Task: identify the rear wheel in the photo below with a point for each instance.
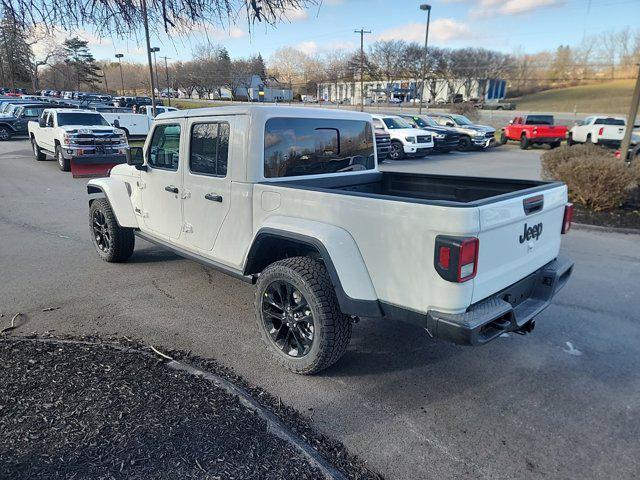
(64, 164)
(299, 317)
(555, 144)
(397, 151)
(524, 142)
(37, 153)
(589, 140)
(112, 242)
(570, 141)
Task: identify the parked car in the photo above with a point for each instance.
(136, 124)
(406, 141)
(495, 105)
(471, 135)
(76, 137)
(15, 124)
(289, 199)
(534, 129)
(445, 138)
(599, 130)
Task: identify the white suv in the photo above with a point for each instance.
(406, 141)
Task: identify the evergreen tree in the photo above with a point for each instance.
(15, 53)
(80, 62)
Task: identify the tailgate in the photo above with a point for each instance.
(513, 242)
(553, 131)
(612, 132)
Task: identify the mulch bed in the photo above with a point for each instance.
(92, 412)
(626, 217)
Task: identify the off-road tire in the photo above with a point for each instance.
(64, 164)
(524, 143)
(122, 239)
(465, 144)
(332, 328)
(503, 138)
(38, 154)
(570, 141)
(555, 144)
(5, 134)
(399, 151)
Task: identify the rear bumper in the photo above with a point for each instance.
(609, 143)
(512, 309)
(546, 139)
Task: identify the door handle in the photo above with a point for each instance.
(171, 189)
(214, 197)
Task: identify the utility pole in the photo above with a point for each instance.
(166, 71)
(426, 7)
(631, 119)
(155, 65)
(145, 21)
(119, 56)
(362, 31)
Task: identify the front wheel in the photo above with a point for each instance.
(524, 142)
(465, 144)
(112, 242)
(299, 317)
(570, 141)
(397, 151)
(64, 164)
(503, 138)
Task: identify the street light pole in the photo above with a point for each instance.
(166, 71)
(426, 7)
(145, 21)
(119, 56)
(155, 65)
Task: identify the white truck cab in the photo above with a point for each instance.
(291, 199)
(136, 124)
(406, 141)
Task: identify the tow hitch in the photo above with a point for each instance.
(526, 328)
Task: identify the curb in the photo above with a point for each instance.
(598, 228)
(274, 425)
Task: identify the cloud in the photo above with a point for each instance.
(441, 30)
(487, 8)
(295, 14)
(307, 47)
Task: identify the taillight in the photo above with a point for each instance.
(456, 258)
(535, 131)
(568, 217)
(600, 132)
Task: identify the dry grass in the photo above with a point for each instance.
(608, 97)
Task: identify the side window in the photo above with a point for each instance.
(50, 120)
(209, 149)
(164, 149)
(377, 123)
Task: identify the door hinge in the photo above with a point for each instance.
(187, 228)
(141, 213)
(186, 194)
(141, 185)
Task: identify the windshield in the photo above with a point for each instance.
(394, 123)
(539, 120)
(419, 121)
(88, 119)
(461, 120)
(610, 121)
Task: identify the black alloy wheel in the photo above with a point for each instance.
(288, 319)
(100, 230)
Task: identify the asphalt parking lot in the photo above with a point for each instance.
(562, 402)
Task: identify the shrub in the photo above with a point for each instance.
(596, 178)
(467, 109)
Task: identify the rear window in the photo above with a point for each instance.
(610, 121)
(313, 146)
(539, 120)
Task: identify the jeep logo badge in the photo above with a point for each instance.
(531, 232)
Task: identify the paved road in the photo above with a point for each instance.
(563, 402)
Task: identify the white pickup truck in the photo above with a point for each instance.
(291, 199)
(599, 130)
(136, 124)
(77, 136)
(406, 140)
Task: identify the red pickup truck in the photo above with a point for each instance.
(534, 129)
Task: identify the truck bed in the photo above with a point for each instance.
(446, 190)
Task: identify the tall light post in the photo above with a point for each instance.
(119, 56)
(155, 65)
(145, 21)
(426, 7)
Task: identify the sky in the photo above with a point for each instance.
(505, 25)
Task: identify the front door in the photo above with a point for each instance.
(207, 181)
(161, 183)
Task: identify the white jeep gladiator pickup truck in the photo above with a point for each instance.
(74, 135)
(291, 199)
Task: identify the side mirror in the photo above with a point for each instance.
(450, 124)
(135, 157)
(116, 123)
(41, 122)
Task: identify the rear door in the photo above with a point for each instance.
(207, 179)
(517, 236)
